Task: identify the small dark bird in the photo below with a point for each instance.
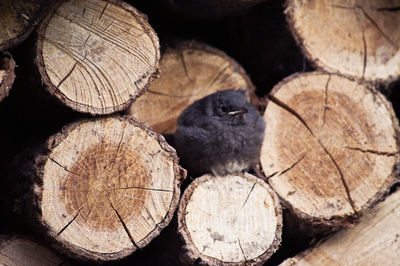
(221, 133)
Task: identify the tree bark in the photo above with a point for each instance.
(18, 18)
(331, 147)
(209, 9)
(7, 75)
(359, 39)
(374, 241)
(189, 71)
(101, 189)
(230, 220)
(97, 56)
(20, 251)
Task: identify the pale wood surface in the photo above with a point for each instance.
(359, 39)
(331, 145)
(374, 241)
(97, 56)
(108, 187)
(189, 72)
(20, 251)
(230, 219)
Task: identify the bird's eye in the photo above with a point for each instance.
(224, 109)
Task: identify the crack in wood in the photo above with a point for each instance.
(185, 67)
(70, 222)
(64, 167)
(293, 165)
(370, 19)
(364, 55)
(346, 188)
(241, 249)
(104, 9)
(290, 110)
(123, 224)
(384, 153)
(326, 100)
(70, 72)
(293, 112)
(248, 195)
(389, 9)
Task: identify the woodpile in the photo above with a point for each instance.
(89, 103)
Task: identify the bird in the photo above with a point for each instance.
(221, 133)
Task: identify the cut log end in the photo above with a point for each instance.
(189, 72)
(331, 146)
(229, 220)
(20, 251)
(97, 56)
(7, 75)
(107, 187)
(357, 39)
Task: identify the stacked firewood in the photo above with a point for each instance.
(90, 93)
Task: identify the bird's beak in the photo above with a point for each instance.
(241, 111)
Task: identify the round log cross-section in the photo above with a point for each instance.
(97, 56)
(331, 146)
(105, 188)
(189, 72)
(359, 39)
(230, 220)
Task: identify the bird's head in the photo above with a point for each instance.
(231, 105)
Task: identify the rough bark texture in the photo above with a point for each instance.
(18, 18)
(229, 220)
(359, 39)
(189, 71)
(209, 9)
(7, 75)
(374, 241)
(20, 251)
(331, 146)
(97, 56)
(101, 189)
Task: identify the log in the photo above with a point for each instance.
(229, 220)
(357, 39)
(18, 18)
(331, 147)
(209, 9)
(101, 189)
(20, 251)
(374, 241)
(189, 71)
(97, 56)
(7, 75)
